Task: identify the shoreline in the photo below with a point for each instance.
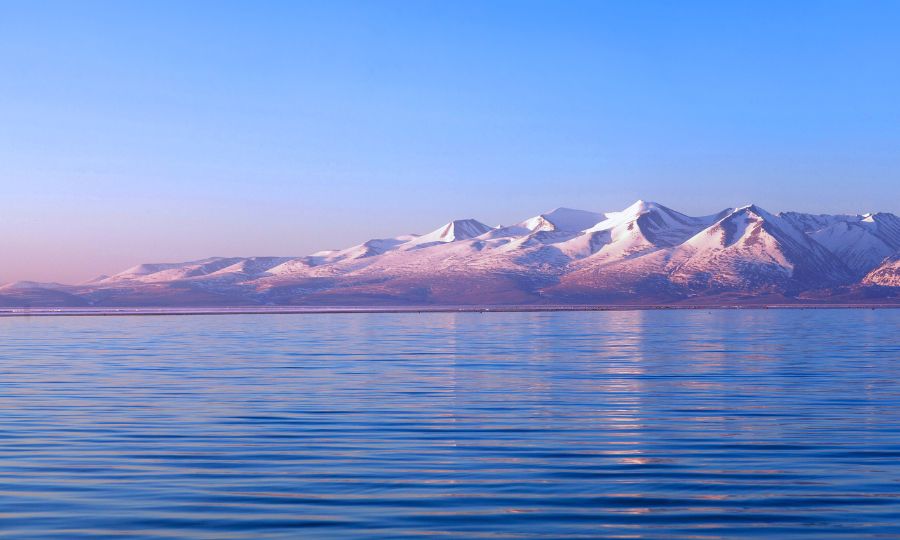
(296, 310)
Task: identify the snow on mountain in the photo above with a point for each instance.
(887, 274)
(660, 226)
(750, 248)
(369, 248)
(563, 219)
(737, 251)
(641, 228)
(854, 244)
(248, 267)
(460, 229)
(882, 225)
(861, 242)
(809, 223)
(886, 226)
(164, 272)
(646, 253)
(26, 285)
(632, 253)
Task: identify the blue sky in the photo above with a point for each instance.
(153, 131)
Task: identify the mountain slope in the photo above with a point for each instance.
(861, 242)
(751, 249)
(887, 274)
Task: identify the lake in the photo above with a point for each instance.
(628, 424)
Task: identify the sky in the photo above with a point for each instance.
(162, 130)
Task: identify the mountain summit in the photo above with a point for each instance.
(646, 254)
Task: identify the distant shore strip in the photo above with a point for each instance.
(310, 310)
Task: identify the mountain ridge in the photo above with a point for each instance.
(647, 253)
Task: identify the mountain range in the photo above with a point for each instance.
(646, 254)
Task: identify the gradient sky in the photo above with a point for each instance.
(162, 131)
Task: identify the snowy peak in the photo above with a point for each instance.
(666, 227)
(654, 223)
(641, 207)
(563, 219)
(736, 252)
(460, 229)
(740, 223)
(886, 227)
(752, 247)
(634, 211)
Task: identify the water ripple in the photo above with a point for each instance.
(655, 424)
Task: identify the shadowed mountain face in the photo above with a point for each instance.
(645, 254)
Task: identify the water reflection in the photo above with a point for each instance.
(647, 424)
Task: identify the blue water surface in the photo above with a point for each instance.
(633, 424)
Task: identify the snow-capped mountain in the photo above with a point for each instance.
(862, 242)
(644, 254)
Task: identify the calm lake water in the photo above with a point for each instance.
(641, 424)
